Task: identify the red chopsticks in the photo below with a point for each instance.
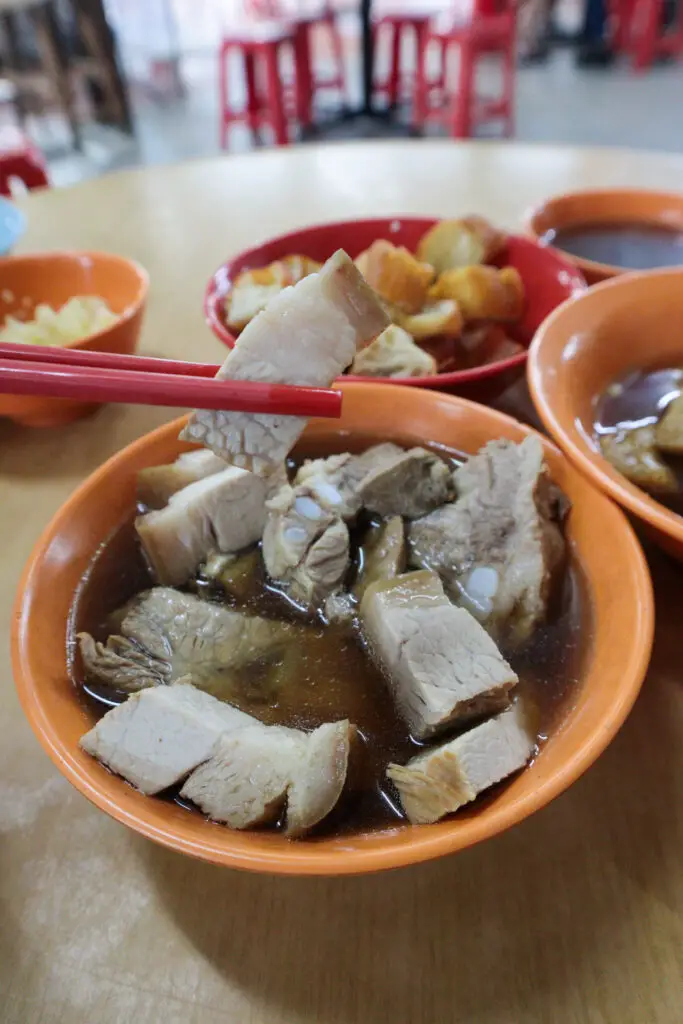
(144, 380)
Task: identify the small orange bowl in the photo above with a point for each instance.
(632, 322)
(633, 208)
(618, 599)
(54, 278)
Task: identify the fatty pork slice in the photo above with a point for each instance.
(255, 771)
(499, 546)
(164, 635)
(384, 554)
(158, 736)
(444, 778)
(224, 512)
(307, 335)
(156, 484)
(305, 547)
(442, 666)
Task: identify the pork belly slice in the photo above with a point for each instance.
(441, 665)
(224, 512)
(245, 782)
(307, 335)
(414, 483)
(305, 547)
(384, 554)
(320, 778)
(499, 547)
(334, 482)
(164, 635)
(442, 779)
(158, 736)
(156, 484)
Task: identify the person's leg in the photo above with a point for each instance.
(595, 50)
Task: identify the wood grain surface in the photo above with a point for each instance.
(574, 917)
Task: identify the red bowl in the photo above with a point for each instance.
(548, 278)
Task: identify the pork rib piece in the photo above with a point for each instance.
(165, 635)
(499, 546)
(411, 485)
(442, 779)
(334, 482)
(442, 666)
(157, 737)
(307, 335)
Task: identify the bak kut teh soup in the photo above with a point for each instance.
(313, 691)
(639, 427)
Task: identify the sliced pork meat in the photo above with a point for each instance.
(246, 780)
(164, 635)
(384, 554)
(444, 778)
(308, 335)
(414, 483)
(157, 737)
(335, 482)
(320, 778)
(224, 512)
(499, 546)
(156, 484)
(305, 546)
(441, 665)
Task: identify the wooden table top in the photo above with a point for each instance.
(573, 917)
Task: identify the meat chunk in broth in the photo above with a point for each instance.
(442, 666)
(499, 546)
(308, 335)
(414, 483)
(165, 635)
(255, 771)
(156, 484)
(305, 547)
(157, 737)
(669, 430)
(443, 779)
(384, 554)
(245, 782)
(224, 512)
(634, 454)
(335, 482)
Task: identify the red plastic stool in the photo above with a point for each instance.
(260, 48)
(20, 158)
(397, 27)
(491, 31)
(638, 31)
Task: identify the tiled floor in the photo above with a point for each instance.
(555, 103)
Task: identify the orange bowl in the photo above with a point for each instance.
(632, 322)
(626, 207)
(54, 278)
(617, 589)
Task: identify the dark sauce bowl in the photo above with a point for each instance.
(615, 648)
(609, 232)
(549, 278)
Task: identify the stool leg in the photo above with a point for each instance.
(420, 88)
(645, 48)
(223, 94)
(274, 96)
(394, 66)
(509, 82)
(337, 52)
(462, 117)
(303, 76)
(253, 100)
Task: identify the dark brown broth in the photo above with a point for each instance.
(633, 246)
(638, 400)
(332, 676)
